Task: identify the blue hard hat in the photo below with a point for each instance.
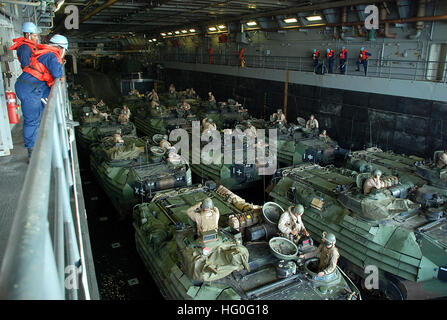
(328, 50)
(29, 27)
(315, 50)
(59, 40)
(362, 48)
(343, 47)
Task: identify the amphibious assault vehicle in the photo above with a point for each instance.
(161, 120)
(297, 144)
(235, 175)
(131, 171)
(231, 263)
(388, 162)
(406, 241)
(95, 127)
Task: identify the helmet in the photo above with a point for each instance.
(328, 50)
(343, 47)
(329, 239)
(210, 120)
(207, 204)
(299, 209)
(29, 27)
(315, 50)
(362, 48)
(377, 173)
(59, 40)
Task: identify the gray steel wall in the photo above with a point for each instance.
(406, 125)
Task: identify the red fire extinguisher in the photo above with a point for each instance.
(12, 107)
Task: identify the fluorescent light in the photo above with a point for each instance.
(290, 20)
(221, 26)
(212, 29)
(169, 33)
(150, 40)
(314, 18)
(154, 40)
(177, 32)
(252, 23)
(184, 31)
(163, 34)
(192, 30)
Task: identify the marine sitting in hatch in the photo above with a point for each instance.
(328, 255)
(205, 215)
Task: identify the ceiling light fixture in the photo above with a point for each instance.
(163, 34)
(184, 31)
(212, 29)
(222, 27)
(314, 18)
(177, 32)
(169, 33)
(154, 40)
(252, 23)
(192, 30)
(290, 20)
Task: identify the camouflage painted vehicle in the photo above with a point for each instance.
(388, 162)
(297, 144)
(227, 264)
(134, 171)
(225, 114)
(161, 120)
(233, 176)
(436, 177)
(396, 235)
(94, 127)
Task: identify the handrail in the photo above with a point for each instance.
(415, 70)
(44, 255)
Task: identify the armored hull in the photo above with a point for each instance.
(233, 176)
(156, 122)
(388, 162)
(130, 174)
(91, 132)
(395, 235)
(163, 238)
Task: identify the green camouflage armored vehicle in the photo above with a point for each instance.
(234, 176)
(225, 114)
(161, 120)
(229, 262)
(297, 144)
(388, 162)
(406, 241)
(94, 127)
(131, 171)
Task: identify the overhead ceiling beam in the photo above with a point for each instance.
(97, 10)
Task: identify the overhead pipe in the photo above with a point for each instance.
(344, 19)
(383, 13)
(22, 3)
(422, 6)
(97, 10)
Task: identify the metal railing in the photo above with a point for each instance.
(415, 70)
(45, 255)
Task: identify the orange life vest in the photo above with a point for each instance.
(343, 54)
(37, 69)
(316, 55)
(330, 54)
(20, 41)
(363, 55)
